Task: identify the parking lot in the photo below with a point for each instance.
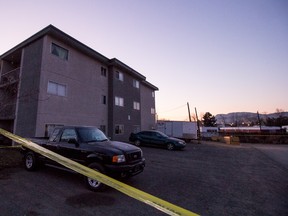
(207, 179)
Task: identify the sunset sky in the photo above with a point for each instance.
(221, 56)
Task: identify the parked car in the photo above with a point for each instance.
(156, 138)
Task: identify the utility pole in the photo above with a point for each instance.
(189, 112)
(198, 128)
(259, 121)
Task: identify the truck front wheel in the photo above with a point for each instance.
(94, 184)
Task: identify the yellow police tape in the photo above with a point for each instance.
(5, 147)
(151, 200)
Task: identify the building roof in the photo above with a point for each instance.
(54, 32)
(117, 63)
(58, 34)
(146, 83)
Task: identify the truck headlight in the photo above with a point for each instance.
(118, 159)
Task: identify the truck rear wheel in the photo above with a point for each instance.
(30, 161)
(94, 184)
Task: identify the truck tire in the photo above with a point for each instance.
(170, 146)
(93, 184)
(30, 161)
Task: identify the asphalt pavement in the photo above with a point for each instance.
(207, 179)
(278, 153)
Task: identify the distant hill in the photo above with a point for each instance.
(244, 118)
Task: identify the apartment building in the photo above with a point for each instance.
(53, 79)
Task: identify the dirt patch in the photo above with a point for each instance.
(10, 157)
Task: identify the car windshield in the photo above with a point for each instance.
(91, 135)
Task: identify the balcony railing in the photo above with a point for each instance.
(10, 77)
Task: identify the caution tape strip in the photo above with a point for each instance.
(142, 196)
(7, 147)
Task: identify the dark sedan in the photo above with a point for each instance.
(156, 138)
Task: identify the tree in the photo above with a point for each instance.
(209, 120)
(280, 121)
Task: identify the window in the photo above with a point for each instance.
(146, 133)
(54, 135)
(119, 129)
(136, 105)
(153, 94)
(59, 51)
(49, 128)
(91, 135)
(103, 128)
(103, 71)
(56, 89)
(103, 99)
(152, 110)
(119, 101)
(68, 134)
(119, 76)
(136, 83)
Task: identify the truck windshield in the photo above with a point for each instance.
(91, 135)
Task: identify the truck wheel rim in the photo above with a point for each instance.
(93, 183)
(29, 161)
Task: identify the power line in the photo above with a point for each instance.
(170, 110)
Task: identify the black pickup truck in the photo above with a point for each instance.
(88, 146)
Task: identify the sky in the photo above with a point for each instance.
(219, 56)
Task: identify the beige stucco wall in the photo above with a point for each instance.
(84, 87)
(148, 120)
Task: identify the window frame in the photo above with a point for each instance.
(103, 128)
(64, 53)
(136, 83)
(119, 76)
(103, 99)
(119, 130)
(119, 101)
(136, 105)
(58, 89)
(103, 71)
